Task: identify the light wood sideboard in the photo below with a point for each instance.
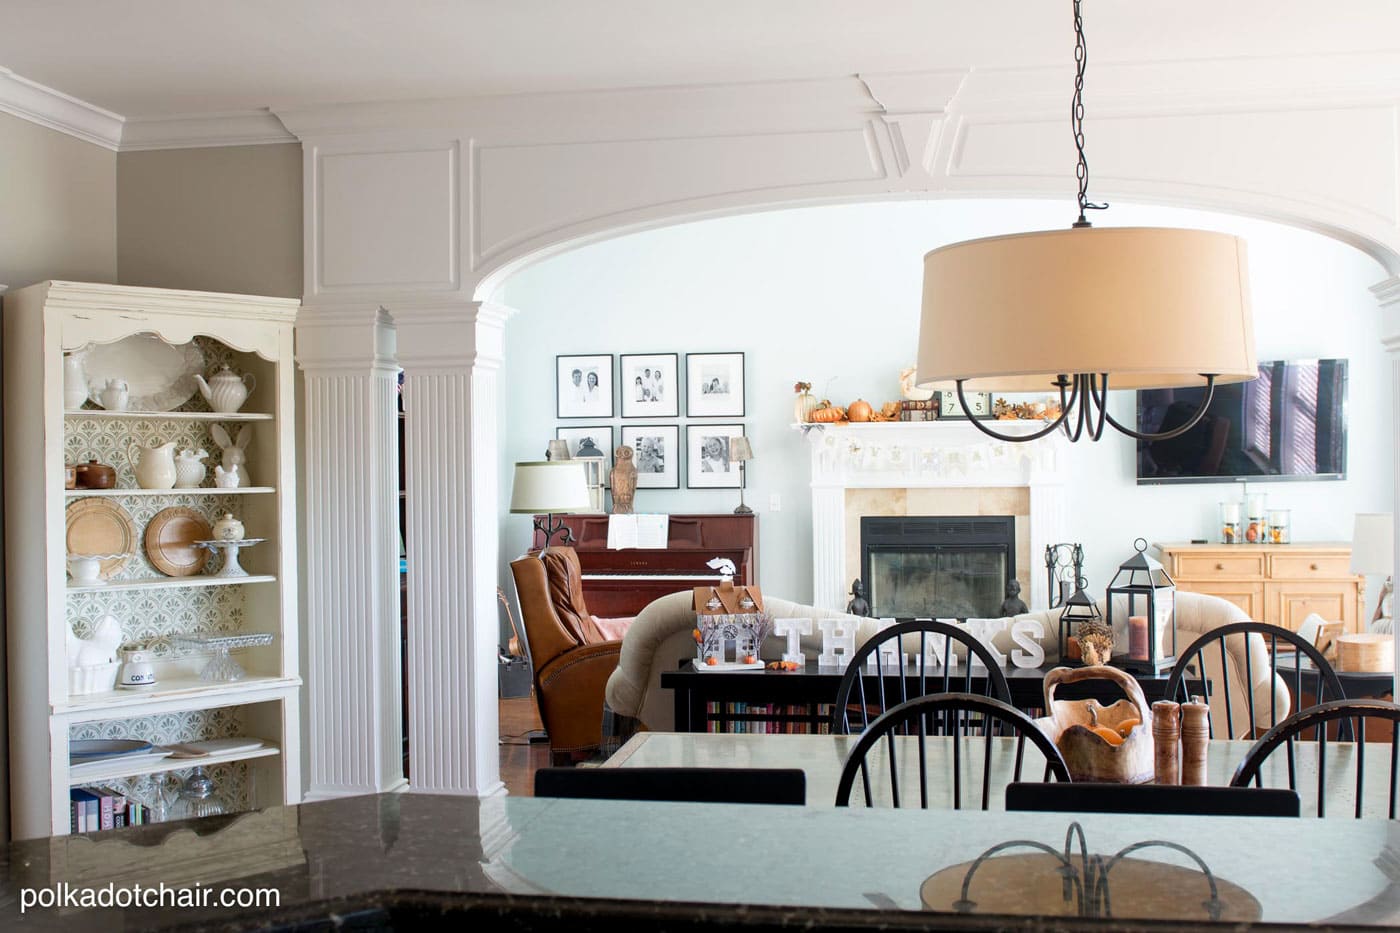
(1276, 583)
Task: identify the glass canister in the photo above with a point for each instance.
(1231, 528)
(1280, 526)
(1256, 519)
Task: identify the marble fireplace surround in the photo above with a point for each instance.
(936, 468)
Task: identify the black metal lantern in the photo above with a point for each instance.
(1145, 584)
(1079, 608)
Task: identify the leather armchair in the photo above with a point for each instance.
(571, 662)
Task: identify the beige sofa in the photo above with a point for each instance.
(661, 635)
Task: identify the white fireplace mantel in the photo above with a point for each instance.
(924, 455)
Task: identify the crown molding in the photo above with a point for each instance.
(206, 130)
(36, 103)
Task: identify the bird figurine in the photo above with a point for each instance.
(623, 480)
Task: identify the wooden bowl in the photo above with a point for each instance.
(1370, 652)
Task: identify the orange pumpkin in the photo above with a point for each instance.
(829, 414)
(860, 410)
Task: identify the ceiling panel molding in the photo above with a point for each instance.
(199, 131)
(36, 103)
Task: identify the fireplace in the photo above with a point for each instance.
(937, 567)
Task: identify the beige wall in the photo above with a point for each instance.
(218, 219)
(58, 220)
(58, 206)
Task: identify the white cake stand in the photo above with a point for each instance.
(230, 549)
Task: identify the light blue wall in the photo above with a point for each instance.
(830, 295)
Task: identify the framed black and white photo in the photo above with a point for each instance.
(650, 388)
(587, 440)
(707, 460)
(583, 386)
(656, 453)
(714, 385)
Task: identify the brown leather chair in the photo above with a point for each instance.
(571, 660)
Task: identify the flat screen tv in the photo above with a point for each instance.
(1289, 424)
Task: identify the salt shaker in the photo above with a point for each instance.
(1195, 740)
(1166, 740)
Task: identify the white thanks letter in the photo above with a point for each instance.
(1026, 633)
(793, 629)
(838, 642)
(984, 630)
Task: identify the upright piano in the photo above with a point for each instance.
(619, 583)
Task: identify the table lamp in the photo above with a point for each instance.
(1373, 552)
(740, 452)
(548, 487)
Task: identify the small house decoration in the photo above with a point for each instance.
(1078, 610)
(1150, 596)
(730, 626)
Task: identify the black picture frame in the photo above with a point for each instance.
(727, 369)
(571, 402)
(697, 474)
(575, 433)
(668, 478)
(668, 405)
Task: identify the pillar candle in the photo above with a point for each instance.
(1137, 638)
(1072, 650)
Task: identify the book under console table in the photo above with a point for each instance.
(801, 701)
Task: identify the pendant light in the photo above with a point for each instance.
(1081, 311)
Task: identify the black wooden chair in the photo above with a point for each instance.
(1192, 664)
(1352, 712)
(921, 720)
(687, 785)
(916, 679)
(1153, 799)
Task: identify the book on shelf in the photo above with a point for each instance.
(96, 808)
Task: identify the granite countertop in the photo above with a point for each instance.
(398, 858)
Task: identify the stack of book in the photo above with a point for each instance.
(919, 411)
(94, 808)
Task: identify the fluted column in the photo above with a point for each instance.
(1388, 295)
(451, 353)
(350, 561)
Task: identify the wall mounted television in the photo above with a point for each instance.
(1289, 424)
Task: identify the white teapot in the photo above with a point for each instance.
(226, 391)
(189, 468)
(114, 396)
(154, 465)
(228, 528)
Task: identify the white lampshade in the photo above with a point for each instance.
(1373, 543)
(549, 486)
(1151, 307)
(740, 450)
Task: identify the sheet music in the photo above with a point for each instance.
(638, 531)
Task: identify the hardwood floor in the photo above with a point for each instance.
(520, 758)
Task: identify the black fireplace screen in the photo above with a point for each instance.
(926, 567)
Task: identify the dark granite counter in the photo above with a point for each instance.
(391, 860)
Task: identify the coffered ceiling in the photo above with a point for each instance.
(154, 58)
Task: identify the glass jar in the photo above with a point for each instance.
(1280, 526)
(1231, 528)
(197, 798)
(1256, 519)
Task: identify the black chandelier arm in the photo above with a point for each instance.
(1191, 422)
(1021, 438)
(1098, 393)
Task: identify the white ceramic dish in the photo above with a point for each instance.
(159, 375)
(93, 678)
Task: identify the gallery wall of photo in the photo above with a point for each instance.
(604, 400)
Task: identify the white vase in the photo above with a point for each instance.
(75, 384)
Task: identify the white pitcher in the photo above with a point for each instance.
(154, 465)
(114, 396)
(226, 391)
(75, 384)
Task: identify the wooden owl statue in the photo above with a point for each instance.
(623, 480)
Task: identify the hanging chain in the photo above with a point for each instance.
(1081, 170)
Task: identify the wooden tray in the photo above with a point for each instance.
(170, 541)
(101, 526)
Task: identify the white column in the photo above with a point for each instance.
(829, 548)
(350, 578)
(1388, 294)
(451, 353)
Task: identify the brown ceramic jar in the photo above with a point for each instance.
(94, 475)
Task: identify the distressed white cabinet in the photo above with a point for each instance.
(252, 335)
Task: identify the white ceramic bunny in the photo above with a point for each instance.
(235, 452)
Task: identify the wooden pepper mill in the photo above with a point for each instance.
(1195, 740)
(1166, 741)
